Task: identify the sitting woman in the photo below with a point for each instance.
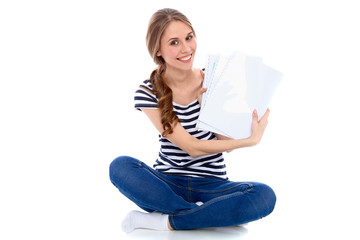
(188, 187)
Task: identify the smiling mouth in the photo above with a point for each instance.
(185, 59)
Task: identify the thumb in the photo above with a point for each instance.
(255, 115)
(202, 90)
(202, 73)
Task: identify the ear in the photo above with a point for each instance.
(158, 53)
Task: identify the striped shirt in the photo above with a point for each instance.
(172, 160)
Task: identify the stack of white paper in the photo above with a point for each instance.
(236, 85)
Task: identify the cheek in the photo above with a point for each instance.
(194, 44)
(174, 52)
(171, 53)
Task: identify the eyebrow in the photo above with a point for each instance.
(171, 39)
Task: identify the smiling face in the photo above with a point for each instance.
(178, 46)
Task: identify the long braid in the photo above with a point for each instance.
(165, 99)
(157, 25)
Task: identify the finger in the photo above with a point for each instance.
(266, 115)
(202, 90)
(202, 73)
(255, 115)
(264, 118)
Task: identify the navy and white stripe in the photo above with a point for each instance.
(144, 97)
(172, 160)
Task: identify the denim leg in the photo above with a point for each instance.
(146, 187)
(225, 204)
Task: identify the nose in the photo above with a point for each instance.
(185, 48)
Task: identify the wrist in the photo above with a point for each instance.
(246, 142)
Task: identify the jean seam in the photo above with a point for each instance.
(194, 190)
(142, 165)
(189, 189)
(221, 190)
(148, 206)
(208, 204)
(201, 190)
(155, 172)
(173, 223)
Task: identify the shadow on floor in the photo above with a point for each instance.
(225, 233)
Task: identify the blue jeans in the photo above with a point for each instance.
(226, 203)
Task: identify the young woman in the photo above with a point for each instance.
(188, 187)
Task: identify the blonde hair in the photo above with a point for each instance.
(157, 26)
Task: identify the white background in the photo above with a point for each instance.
(68, 72)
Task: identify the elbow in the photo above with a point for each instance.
(194, 153)
(193, 150)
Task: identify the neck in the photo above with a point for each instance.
(177, 78)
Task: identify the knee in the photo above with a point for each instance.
(270, 197)
(120, 167)
(267, 198)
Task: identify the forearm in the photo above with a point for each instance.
(222, 137)
(207, 147)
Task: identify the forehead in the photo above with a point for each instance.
(176, 29)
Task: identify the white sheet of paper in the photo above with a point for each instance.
(237, 85)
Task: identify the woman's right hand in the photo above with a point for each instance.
(258, 126)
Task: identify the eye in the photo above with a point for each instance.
(189, 37)
(175, 42)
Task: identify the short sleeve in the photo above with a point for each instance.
(144, 98)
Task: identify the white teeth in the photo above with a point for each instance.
(185, 58)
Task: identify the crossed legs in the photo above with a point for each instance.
(172, 200)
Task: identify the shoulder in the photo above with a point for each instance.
(145, 97)
(146, 88)
(147, 85)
